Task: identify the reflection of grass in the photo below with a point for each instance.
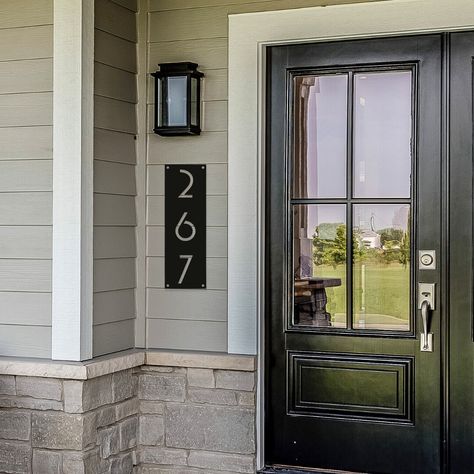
(386, 292)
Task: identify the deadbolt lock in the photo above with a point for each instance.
(427, 259)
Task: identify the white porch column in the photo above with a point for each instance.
(73, 124)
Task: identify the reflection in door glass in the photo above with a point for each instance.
(319, 265)
(320, 136)
(381, 267)
(382, 134)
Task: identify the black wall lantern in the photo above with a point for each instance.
(177, 99)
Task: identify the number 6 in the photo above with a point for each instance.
(181, 222)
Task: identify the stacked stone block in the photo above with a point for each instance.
(196, 421)
(56, 426)
(146, 420)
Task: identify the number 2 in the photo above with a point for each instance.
(186, 266)
(185, 194)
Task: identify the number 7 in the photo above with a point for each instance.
(186, 266)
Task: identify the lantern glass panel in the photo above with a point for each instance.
(194, 100)
(176, 101)
(159, 100)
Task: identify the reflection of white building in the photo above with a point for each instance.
(370, 239)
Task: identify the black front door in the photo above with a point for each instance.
(369, 158)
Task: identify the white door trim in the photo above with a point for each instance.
(249, 35)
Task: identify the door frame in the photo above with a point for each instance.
(249, 36)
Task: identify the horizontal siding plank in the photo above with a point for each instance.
(198, 305)
(211, 21)
(26, 175)
(26, 143)
(115, 115)
(162, 5)
(26, 43)
(208, 53)
(115, 19)
(114, 242)
(214, 84)
(25, 275)
(21, 13)
(216, 179)
(26, 76)
(31, 242)
(216, 269)
(17, 110)
(115, 51)
(188, 24)
(25, 341)
(214, 116)
(216, 241)
(26, 208)
(113, 337)
(28, 309)
(115, 83)
(209, 147)
(114, 210)
(114, 274)
(114, 178)
(187, 335)
(114, 146)
(216, 210)
(111, 306)
(130, 4)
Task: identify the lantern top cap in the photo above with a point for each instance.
(178, 68)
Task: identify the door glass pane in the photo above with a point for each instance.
(320, 136)
(382, 134)
(381, 267)
(319, 265)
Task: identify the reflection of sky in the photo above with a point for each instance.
(382, 216)
(325, 214)
(326, 137)
(382, 156)
(382, 134)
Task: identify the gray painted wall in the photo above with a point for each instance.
(114, 175)
(194, 30)
(26, 68)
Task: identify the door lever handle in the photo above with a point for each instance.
(426, 339)
(426, 303)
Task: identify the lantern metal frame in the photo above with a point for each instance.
(182, 69)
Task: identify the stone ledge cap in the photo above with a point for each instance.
(201, 360)
(124, 360)
(89, 369)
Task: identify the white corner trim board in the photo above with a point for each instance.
(73, 113)
(249, 35)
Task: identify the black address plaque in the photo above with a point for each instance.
(185, 226)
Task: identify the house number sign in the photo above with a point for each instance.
(185, 226)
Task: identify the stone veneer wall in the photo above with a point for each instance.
(149, 419)
(53, 426)
(196, 421)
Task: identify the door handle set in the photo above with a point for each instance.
(426, 303)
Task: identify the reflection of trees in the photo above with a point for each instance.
(329, 246)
